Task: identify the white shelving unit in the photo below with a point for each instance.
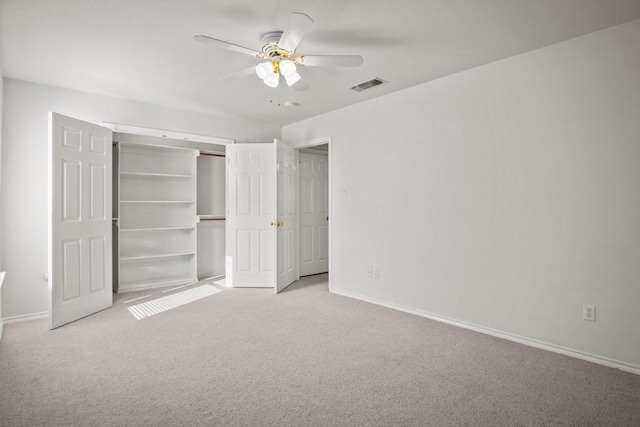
(157, 234)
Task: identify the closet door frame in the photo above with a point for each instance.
(343, 192)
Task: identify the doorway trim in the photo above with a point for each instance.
(309, 144)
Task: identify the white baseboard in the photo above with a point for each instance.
(601, 360)
(26, 317)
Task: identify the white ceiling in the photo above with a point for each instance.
(143, 49)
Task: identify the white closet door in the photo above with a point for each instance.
(262, 215)
(286, 202)
(314, 208)
(251, 215)
(80, 275)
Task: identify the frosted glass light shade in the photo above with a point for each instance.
(287, 68)
(292, 79)
(264, 70)
(272, 80)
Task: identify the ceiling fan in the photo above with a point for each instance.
(279, 50)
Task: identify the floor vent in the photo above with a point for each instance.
(368, 85)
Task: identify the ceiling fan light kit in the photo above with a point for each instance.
(292, 79)
(269, 72)
(264, 70)
(287, 68)
(272, 80)
(279, 62)
(279, 49)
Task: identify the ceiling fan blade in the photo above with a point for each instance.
(239, 74)
(332, 60)
(225, 45)
(298, 25)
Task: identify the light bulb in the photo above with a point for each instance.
(264, 70)
(272, 80)
(292, 79)
(287, 68)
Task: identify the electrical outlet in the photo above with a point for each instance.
(370, 272)
(376, 273)
(589, 312)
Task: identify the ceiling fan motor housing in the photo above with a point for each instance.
(270, 43)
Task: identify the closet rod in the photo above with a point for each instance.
(212, 219)
(211, 154)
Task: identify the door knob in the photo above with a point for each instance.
(280, 223)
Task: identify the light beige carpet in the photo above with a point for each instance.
(247, 357)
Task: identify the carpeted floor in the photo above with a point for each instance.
(248, 357)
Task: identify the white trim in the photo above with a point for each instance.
(313, 151)
(313, 143)
(1, 321)
(26, 317)
(594, 358)
(138, 130)
(136, 144)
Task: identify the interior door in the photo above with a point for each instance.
(251, 215)
(80, 275)
(287, 220)
(261, 215)
(314, 208)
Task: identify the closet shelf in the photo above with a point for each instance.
(156, 229)
(130, 286)
(155, 257)
(157, 201)
(153, 175)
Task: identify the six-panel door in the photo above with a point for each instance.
(80, 275)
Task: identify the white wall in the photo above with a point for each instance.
(1, 106)
(503, 197)
(1, 274)
(24, 171)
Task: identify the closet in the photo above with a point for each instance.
(168, 210)
(210, 206)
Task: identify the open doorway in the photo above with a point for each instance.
(314, 207)
(314, 210)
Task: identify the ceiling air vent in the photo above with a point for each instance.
(368, 85)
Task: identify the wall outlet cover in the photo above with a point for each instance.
(589, 312)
